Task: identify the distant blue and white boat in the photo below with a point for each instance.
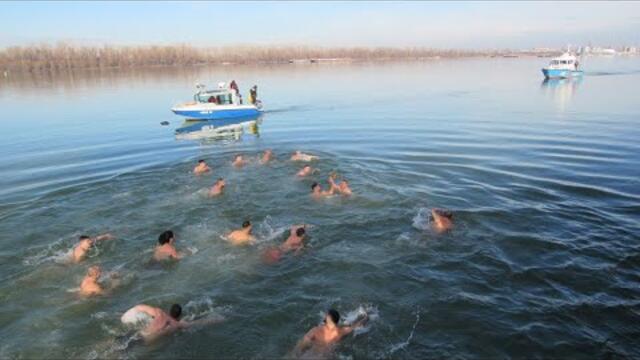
(221, 103)
(565, 66)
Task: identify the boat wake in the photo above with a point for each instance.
(611, 73)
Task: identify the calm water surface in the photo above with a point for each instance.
(544, 260)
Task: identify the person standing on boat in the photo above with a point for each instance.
(234, 86)
(253, 94)
(237, 99)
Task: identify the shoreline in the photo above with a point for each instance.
(64, 58)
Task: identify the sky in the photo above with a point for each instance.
(462, 25)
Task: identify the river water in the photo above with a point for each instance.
(543, 180)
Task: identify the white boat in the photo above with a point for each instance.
(221, 103)
(564, 66)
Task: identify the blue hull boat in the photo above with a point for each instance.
(224, 102)
(561, 73)
(203, 113)
(562, 67)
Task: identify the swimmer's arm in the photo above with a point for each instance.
(106, 236)
(206, 321)
(346, 330)
(177, 255)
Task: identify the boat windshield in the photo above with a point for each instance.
(216, 97)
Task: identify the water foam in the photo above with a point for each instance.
(422, 219)
(401, 345)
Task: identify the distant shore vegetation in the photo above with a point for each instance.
(64, 57)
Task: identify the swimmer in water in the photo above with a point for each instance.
(201, 168)
(242, 236)
(239, 161)
(306, 171)
(442, 220)
(84, 245)
(163, 323)
(217, 188)
(295, 242)
(266, 157)
(321, 339)
(89, 285)
(166, 249)
(342, 188)
(317, 192)
(300, 156)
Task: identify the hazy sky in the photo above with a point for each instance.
(471, 24)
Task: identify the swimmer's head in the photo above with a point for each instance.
(307, 167)
(246, 224)
(201, 162)
(238, 157)
(94, 271)
(442, 213)
(300, 232)
(85, 242)
(268, 152)
(314, 186)
(221, 182)
(166, 237)
(333, 316)
(175, 311)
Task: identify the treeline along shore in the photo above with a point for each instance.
(62, 57)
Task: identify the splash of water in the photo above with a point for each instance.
(422, 220)
(404, 344)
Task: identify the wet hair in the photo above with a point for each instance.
(246, 224)
(300, 231)
(200, 161)
(85, 237)
(165, 237)
(220, 179)
(444, 213)
(335, 315)
(313, 186)
(175, 311)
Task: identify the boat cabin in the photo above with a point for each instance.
(220, 97)
(565, 62)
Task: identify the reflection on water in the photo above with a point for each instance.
(222, 129)
(561, 90)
